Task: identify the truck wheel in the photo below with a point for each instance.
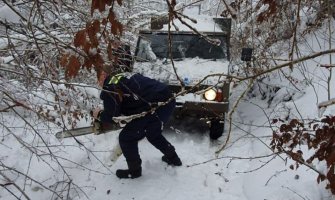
(216, 129)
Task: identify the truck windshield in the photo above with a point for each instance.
(156, 46)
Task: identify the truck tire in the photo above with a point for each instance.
(216, 129)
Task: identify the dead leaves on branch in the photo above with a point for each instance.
(318, 136)
(101, 5)
(90, 39)
(272, 9)
(116, 27)
(87, 39)
(71, 65)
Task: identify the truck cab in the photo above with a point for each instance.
(195, 65)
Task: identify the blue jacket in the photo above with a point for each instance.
(131, 95)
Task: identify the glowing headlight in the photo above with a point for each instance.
(210, 95)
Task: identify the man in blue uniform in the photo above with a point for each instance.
(126, 94)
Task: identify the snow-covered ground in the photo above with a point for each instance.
(245, 170)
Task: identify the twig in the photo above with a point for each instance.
(15, 185)
(264, 164)
(275, 175)
(293, 192)
(230, 115)
(277, 67)
(325, 104)
(229, 157)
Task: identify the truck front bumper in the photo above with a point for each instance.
(202, 109)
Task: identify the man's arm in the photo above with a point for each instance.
(111, 109)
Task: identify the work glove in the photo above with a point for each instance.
(96, 113)
(97, 125)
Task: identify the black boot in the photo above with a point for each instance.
(134, 170)
(170, 156)
(172, 159)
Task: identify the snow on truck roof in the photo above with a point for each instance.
(202, 23)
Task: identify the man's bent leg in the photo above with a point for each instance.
(155, 137)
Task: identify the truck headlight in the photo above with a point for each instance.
(210, 95)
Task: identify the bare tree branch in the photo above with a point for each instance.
(285, 65)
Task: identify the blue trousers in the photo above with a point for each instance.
(149, 126)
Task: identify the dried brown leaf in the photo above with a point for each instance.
(80, 38)
(116, 26)
(64, 59)
(73, 67)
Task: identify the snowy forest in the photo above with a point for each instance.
(279, 137)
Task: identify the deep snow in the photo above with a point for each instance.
(232, 174)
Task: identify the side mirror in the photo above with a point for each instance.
(246, 54)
